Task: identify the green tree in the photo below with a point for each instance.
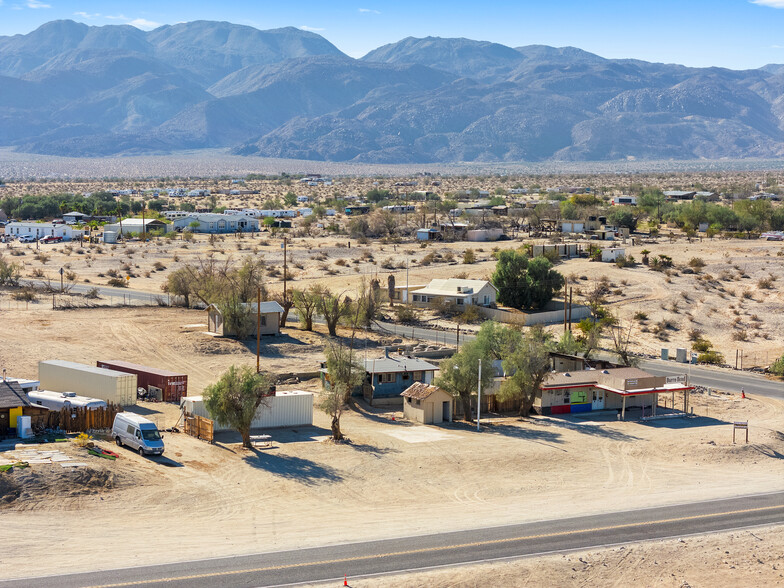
(332, 307)
(459, 374)
(528, 365)
(496, 340)
(290, 199)
(524, 282)
(236, 397)
(305, 301)
(345, 374)
(180, 283)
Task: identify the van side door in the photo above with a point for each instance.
(130, 436)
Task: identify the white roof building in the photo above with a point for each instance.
(461, 291)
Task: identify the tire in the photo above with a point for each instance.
(141, 451)
(118, 441)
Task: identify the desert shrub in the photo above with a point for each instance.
(92, 293)
(70, 276)
(640, 316)
(712, 357)
(471, 315)
(695, 334)
(428, 259)
(341, 262)
(765, 283)
(449, 257)
(117, 283)
(696, 263)
(740, 335)
(158, 266)
(469, 256)
(624, 261)
(747, 295)
(702, 345)
(38, 273)
(778, 366)
(406, 314)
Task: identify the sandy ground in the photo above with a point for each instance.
(727, 301)
(745, 558)
(205, 500)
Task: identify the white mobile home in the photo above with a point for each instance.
(217, 223)
(60, 400)
(289, 408)
(39, 230)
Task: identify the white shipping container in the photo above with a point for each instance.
(67, 376)
(290, 408)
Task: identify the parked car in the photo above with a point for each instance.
(138, 433)
(50, 239)
(26, 239)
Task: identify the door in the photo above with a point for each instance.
(598, 400)
(445, 411)
(428, 413)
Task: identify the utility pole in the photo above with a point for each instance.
(479, 396)
(258, 328)
(457, 344)
(571, 298)
(285, 268)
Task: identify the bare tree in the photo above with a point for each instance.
(332, 307)
(621, 337)
(305, 302)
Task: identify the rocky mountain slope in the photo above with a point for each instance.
(72, 89)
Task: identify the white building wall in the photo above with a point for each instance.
(39, 230)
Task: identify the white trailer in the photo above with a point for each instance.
(290, 408)
(67, 376)
(59, 400)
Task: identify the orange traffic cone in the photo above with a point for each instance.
(742, 394)
(393, 418)
(345, 580)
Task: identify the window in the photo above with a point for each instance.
(263, 320)
(406, 376)
(387, 378)
(460, 301)
(417, 402)
(416, 297)
(131, 429)
(418, 376)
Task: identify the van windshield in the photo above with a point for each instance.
(151, 435)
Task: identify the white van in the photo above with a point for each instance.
(137, 432)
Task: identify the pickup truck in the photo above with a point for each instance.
(50, 239)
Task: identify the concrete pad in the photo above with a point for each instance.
(420, 435)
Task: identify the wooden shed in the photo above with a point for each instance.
(427, 404)
(13, 404)
(269, 319)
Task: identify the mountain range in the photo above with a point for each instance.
(71, 89)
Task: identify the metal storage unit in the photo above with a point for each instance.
(67, 376)
(292, 408)
(172, 385)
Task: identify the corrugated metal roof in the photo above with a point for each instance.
(420, 390)
(578, 377)
(449, 287)
(398, 363)
(140, 368)
(86, 368)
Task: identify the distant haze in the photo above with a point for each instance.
(73, 90)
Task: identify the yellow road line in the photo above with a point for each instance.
(441, 548)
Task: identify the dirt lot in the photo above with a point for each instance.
(211, 500)
(733, 301)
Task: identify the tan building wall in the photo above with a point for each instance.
(429, 411)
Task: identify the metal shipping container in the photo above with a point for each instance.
(291, 408)
(172, 385)
(86, 380)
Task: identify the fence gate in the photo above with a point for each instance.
(199, 427)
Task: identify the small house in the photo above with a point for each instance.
(14, 404)
(427, 404)
(75, 218)
(217, 223)
(390, 375)
(136, 226)
(269, 319)
(40, 230)
(431, 234)
(458, 291)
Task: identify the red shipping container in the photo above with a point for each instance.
(173, 386)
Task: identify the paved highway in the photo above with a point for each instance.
(443, 549)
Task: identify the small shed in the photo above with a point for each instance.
(13, 404)
(612, 253)
(427, 404)
(270, 312)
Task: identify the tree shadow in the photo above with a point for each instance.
(593, 429)
(290, 467)
(373, 450)
(537, 434)
(768, 451)
(282, 436)
(378, 414)
(685, 422)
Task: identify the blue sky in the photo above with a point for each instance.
(729, 33)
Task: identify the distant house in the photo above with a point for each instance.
(678, 195)
(427, 404)
(355, 210)
(136, 226)
(431, 234)
(270, 319)
(458, 291)
(39, 230)
(75, 218)
(216, 223)
(627, 200)
(612, 253)
(303, 199)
